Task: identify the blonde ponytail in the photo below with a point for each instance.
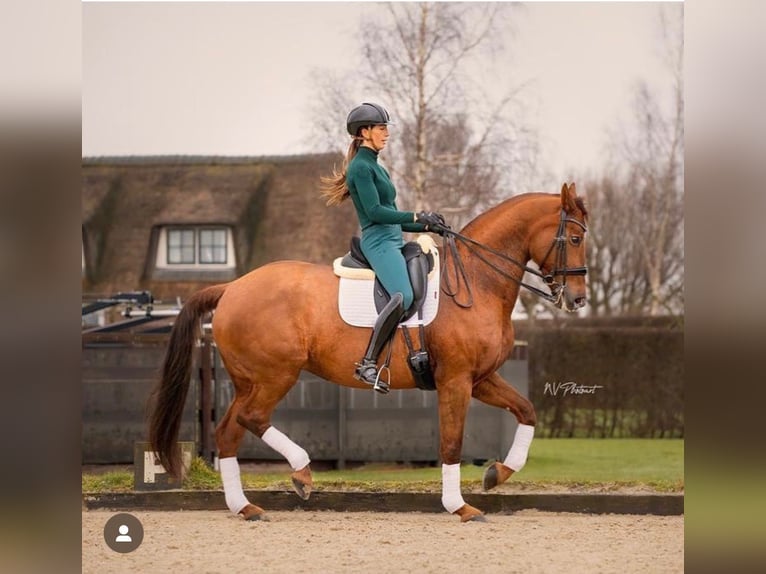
(334, 188)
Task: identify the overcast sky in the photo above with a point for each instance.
(234, 78)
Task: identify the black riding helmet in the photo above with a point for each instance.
(367, 114)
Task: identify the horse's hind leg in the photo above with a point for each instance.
(256, 417)
(253, 412)
(496, 392)
(228, 437)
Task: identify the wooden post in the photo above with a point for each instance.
(206, 401)
(340, 464)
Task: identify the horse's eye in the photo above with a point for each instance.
(575, 239)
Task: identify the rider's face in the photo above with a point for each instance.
(375, 137)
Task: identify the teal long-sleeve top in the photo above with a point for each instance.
(374, 194)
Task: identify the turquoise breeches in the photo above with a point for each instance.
(382, 246)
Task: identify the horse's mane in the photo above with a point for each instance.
(512, 201)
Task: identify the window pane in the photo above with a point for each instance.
(180, 246)
(212, 246)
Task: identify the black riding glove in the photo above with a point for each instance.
(433, 221)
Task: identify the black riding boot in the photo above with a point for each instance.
(385, 327)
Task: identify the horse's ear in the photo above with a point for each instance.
(568, 195)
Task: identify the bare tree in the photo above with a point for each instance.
(608, 252)
(455, 148)
(617, 280)
(636, 242)
(333, 99)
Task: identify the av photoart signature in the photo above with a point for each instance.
(569, 388)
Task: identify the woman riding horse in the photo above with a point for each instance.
(283, 317)
(374, 196)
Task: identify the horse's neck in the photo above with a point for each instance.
(507, 228)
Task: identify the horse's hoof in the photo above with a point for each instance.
(302, 482)
(496, 474)
(251, 512)
(468, 513)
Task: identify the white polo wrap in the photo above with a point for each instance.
(517, 456)
(295, 455)
(452, 500)
(232, 485)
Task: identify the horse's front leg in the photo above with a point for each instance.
(497, 392)
(454, 397)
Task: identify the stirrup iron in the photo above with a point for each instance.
(380, 385)
(362, 368)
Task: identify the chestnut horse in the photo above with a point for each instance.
(283, 317)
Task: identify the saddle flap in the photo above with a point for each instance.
(419, 264)
(356, 298)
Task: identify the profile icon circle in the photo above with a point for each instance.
(123, 533)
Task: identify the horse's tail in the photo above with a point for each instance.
(169, 395)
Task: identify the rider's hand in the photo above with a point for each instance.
(433, 221)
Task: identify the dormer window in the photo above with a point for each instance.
(197, 247)
(212, 245)
(181, 244)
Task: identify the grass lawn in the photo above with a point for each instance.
(604, 464)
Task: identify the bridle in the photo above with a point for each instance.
(560, 266)
(560, 243)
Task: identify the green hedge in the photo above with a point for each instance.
(599, 379)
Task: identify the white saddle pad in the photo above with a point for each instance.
(355, 295)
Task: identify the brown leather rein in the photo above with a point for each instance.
(474, 247)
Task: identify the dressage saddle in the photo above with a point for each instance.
(419, 265)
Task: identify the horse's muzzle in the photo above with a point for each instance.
(572, 301)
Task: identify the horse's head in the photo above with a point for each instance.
(558, 248)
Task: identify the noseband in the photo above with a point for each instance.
(560, 268)
(560, 243)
